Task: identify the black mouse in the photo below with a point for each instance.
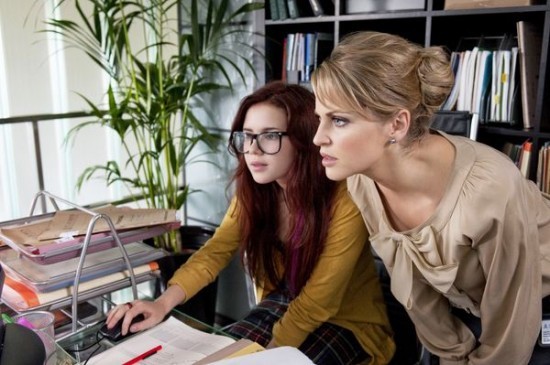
(115, 333)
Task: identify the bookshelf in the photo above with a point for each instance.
(431, 25)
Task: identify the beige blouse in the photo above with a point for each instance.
(485, 249)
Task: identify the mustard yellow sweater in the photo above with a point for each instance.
(343, 289)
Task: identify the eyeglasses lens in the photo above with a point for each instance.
(268, 142)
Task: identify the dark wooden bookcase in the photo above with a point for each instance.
(430, 26)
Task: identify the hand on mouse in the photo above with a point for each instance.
(152, 311)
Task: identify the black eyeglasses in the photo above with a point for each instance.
(268, 142)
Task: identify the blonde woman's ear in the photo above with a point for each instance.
(401, 124)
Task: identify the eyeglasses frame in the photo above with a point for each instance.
(254, 137)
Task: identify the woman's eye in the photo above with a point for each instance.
(339, 122)
(271, 136)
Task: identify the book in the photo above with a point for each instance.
(274, 9)
(180, 344)
(316, 8)
(529, 49)
(293, 11)
(309, 55)
(283, 11)
(463, 89)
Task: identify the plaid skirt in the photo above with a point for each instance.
(327, 345)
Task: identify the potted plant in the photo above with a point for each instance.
(159, 73)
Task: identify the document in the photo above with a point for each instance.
(71, 223)
(181, 345)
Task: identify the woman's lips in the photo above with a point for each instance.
(257, 166)
(328, 161)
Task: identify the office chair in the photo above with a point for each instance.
(460, 123)
(203, 305)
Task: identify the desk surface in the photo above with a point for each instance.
(85, 336)
(78, 347)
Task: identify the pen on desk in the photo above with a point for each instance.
(143, 356)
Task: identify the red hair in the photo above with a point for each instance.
(309, 194)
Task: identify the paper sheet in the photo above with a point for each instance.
(181, 345)
(72, 223)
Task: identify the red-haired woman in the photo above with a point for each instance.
(302, 238)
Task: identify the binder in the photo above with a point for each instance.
(458, 69)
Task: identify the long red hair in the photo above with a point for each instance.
(309, 195)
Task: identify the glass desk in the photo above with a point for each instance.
(77, 347)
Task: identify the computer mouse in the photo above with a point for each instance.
(115, 333)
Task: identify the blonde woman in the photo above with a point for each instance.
(464, 236)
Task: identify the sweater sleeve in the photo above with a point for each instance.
(321, 297)
(203, 266)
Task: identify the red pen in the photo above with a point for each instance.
(143, 356)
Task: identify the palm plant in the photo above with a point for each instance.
(156, 87)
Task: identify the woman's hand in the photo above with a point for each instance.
(152, 311)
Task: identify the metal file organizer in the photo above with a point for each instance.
(79, 250)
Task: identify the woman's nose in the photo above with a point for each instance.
(320, 138)
(253, 148)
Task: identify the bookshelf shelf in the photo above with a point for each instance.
(432, 25)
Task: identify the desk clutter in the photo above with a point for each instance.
(44, 255)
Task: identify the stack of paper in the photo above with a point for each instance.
(44, 278)
(21, 297)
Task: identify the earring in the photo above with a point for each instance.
(393, 141)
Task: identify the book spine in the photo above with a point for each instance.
(316, 7)
(293, 9)
(273, 8)
(283, 12)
